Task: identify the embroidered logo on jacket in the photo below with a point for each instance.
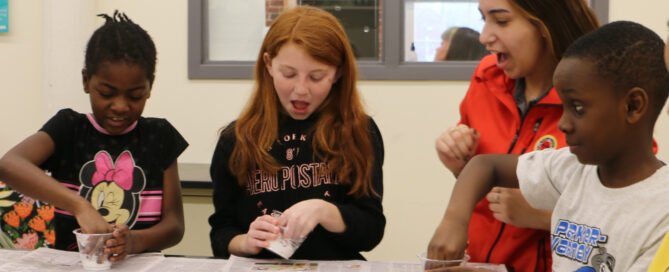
(113, 188)
(546, 141)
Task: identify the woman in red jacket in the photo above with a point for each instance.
(512, 107)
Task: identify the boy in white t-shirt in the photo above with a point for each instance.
(608, 191)
(661, 261)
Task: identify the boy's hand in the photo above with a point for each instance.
(448, 242)
(509, 206)
(456, 146)
(120, 245)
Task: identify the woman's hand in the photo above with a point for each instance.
(456, 146)
(509, 206)
(120, 245)
(301, 218)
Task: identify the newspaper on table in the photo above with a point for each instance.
(418, 267)
(47, 259)
(493, 267)
(179, 264)
(12, 254)
(240, 264)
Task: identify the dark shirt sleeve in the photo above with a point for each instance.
(226, 193)
(172, 145)
(363, 217)
(65, 118)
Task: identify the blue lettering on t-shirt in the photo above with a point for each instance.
(575, 241)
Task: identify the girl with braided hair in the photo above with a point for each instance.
(111, 170)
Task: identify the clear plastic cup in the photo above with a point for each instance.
(91, 250)
(440, 265)
(284, 247)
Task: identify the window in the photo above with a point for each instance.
(428, 24)
(361, 21)
(224, 36)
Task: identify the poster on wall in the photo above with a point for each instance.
(4, 16)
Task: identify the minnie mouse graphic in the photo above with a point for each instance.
(113, 188)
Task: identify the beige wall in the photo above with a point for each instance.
(40, 74)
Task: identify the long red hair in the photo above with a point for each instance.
(340, 134)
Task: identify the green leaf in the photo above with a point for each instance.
(7, 227)
(13, 233)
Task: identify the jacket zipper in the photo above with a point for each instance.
(537, 124)
(513, 143)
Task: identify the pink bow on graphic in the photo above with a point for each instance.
(121, 174)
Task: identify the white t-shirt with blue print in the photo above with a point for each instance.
(595, 228)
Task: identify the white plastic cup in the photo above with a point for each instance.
(91, 250)
(440, 265)
(284, 247)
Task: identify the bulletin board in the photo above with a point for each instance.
(4, 16)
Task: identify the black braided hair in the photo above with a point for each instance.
(120, 39)
(628, 55)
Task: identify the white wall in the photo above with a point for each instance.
(410, 114)
(21, 73)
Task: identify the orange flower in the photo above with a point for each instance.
(23, 209)
(12, 219)
(46, 212)
(50, 236)
(37, 223)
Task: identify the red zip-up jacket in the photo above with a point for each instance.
(491, 109)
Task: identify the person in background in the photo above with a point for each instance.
(442, 50)
(608, 191)
(465, 45)
(511, 107)
(303, 146)
(111, 170)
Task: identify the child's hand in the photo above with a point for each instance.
(301, 218)
(448, 242)
(456, 146)
(120, 245)
(509, 206)
(91, 221)
(262, 230)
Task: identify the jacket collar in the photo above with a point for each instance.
(502, 86)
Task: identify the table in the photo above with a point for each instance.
(46, 259)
